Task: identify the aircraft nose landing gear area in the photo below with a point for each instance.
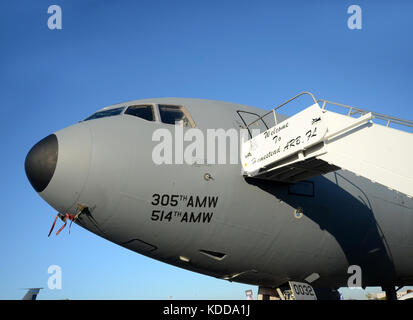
(67, 216)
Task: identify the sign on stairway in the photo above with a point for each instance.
(290, 136)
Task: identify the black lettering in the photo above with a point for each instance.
(156, 197)
(311, 133)
(155, 216)
(301, 289)
(190, 202)
(289, 144)
(198, 203)
(306, 290)
(212, 202)
(314, 133)
(296, 289)
(165, 200)
(193, 219)
(185, 217)
(207, 216)
(168, 216)
(174, 200)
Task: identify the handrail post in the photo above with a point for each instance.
(284, 103)
(275, 117)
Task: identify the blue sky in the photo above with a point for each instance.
(258, 53)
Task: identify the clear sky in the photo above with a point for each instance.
(257, 53)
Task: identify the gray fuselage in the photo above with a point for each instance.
(221, 223)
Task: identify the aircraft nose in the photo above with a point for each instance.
(40, 163)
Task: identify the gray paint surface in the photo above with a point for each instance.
(106, 164)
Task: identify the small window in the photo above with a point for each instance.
(105, 113)
(144, 112)
(171, 114)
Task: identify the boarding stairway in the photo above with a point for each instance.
(316, 141)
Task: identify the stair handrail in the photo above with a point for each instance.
(282, 104)
(354, 110)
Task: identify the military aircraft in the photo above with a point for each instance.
(31, 293)
(260, 227)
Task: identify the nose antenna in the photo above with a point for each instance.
(68, 216)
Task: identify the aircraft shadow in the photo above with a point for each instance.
(348, 217)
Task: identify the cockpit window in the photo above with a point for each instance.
(106, 113)
(144, 112)
(171, 114)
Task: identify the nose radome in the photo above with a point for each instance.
(41, 162)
